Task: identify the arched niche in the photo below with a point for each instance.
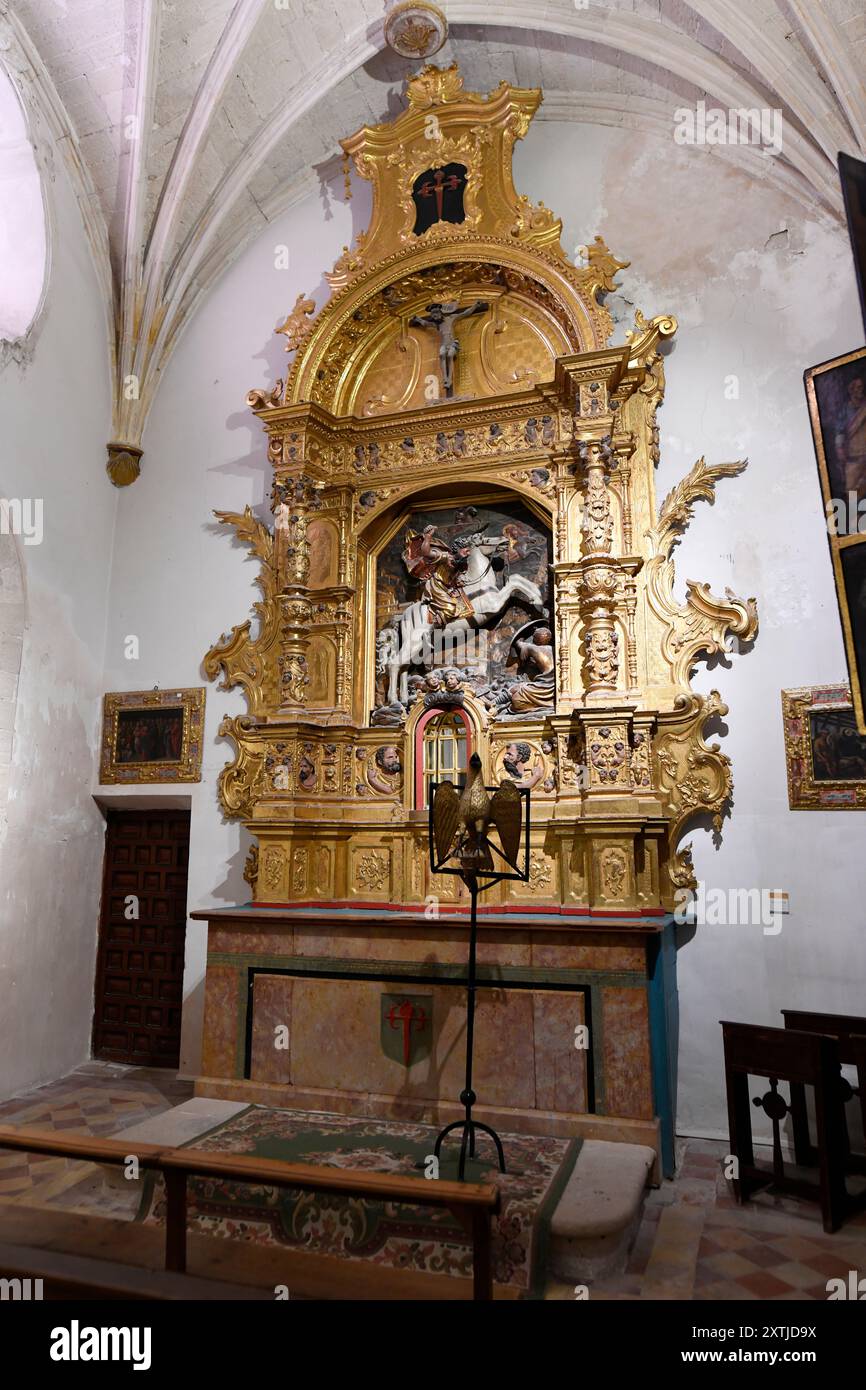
(519, 569)
(529, 290)
(322, 542)
(426, 721)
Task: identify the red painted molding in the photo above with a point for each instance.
(547, 909)
(419, 746)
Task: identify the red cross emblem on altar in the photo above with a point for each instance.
(406, 1030)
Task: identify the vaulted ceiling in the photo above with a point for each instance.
(189, 126)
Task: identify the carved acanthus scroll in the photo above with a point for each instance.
(704, 622)
(695, 776)
(241, 658)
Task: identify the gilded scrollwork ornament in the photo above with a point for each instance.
(704, 622)
(696, 778)
(241, 782)
(241, 658)
(296, 325)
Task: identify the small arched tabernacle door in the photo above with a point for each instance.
(443, 747)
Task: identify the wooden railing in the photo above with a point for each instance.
(473, 1204)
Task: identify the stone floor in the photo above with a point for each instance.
(694, 1242)
(97, 1098)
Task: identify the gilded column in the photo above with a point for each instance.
(294, 499)
(597, 579)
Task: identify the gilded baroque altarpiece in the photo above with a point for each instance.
(466, 527)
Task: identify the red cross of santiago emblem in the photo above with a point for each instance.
(406, 1029)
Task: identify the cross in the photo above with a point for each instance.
(407, 1016)
(437, 188)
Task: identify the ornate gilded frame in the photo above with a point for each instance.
(837, 543)
(805, 791)
(186, 768)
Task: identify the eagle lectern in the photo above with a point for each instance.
(461, 843)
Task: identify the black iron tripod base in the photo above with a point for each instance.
(469, 1127)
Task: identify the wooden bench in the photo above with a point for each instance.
(473, 1204)
(66, 1275)
(801, 1059)
(849, 1032)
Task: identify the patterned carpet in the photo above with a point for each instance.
(424, 1239)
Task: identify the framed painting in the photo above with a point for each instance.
(152, 736)
(852, 176)
(836, 392)
(824, 751)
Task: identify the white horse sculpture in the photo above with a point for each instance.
(408, 639)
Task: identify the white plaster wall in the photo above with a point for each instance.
(702, 240)
(55, 419)
(703, 244)
(179, 580)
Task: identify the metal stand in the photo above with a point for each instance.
(467, 1095)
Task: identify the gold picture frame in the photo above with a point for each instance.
(836, 393)
(824, 752)
(152, 736)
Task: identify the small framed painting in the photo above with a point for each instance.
(824, 752)
(152, 736)
(836, 392)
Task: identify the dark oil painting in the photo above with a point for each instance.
(838, 751)
(840, 393)
(149, 735)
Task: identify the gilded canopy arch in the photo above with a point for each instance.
(547, 304)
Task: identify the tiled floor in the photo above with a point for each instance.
(97, 1098)
(694, 1242)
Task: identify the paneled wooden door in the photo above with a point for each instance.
(139, 971)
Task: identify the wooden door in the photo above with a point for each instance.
(139, 971)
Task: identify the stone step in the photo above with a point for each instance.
(180, 1125)
(182, 1122)
(599, 1212)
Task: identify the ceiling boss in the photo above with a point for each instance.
(469, 562)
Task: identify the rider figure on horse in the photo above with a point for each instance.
(431, 559)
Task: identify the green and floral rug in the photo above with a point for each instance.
(427, 1239)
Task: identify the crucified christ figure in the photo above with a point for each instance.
(443, 317)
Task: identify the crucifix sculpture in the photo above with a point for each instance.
(442, 317)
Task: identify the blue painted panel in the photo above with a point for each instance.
(664, 1036)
